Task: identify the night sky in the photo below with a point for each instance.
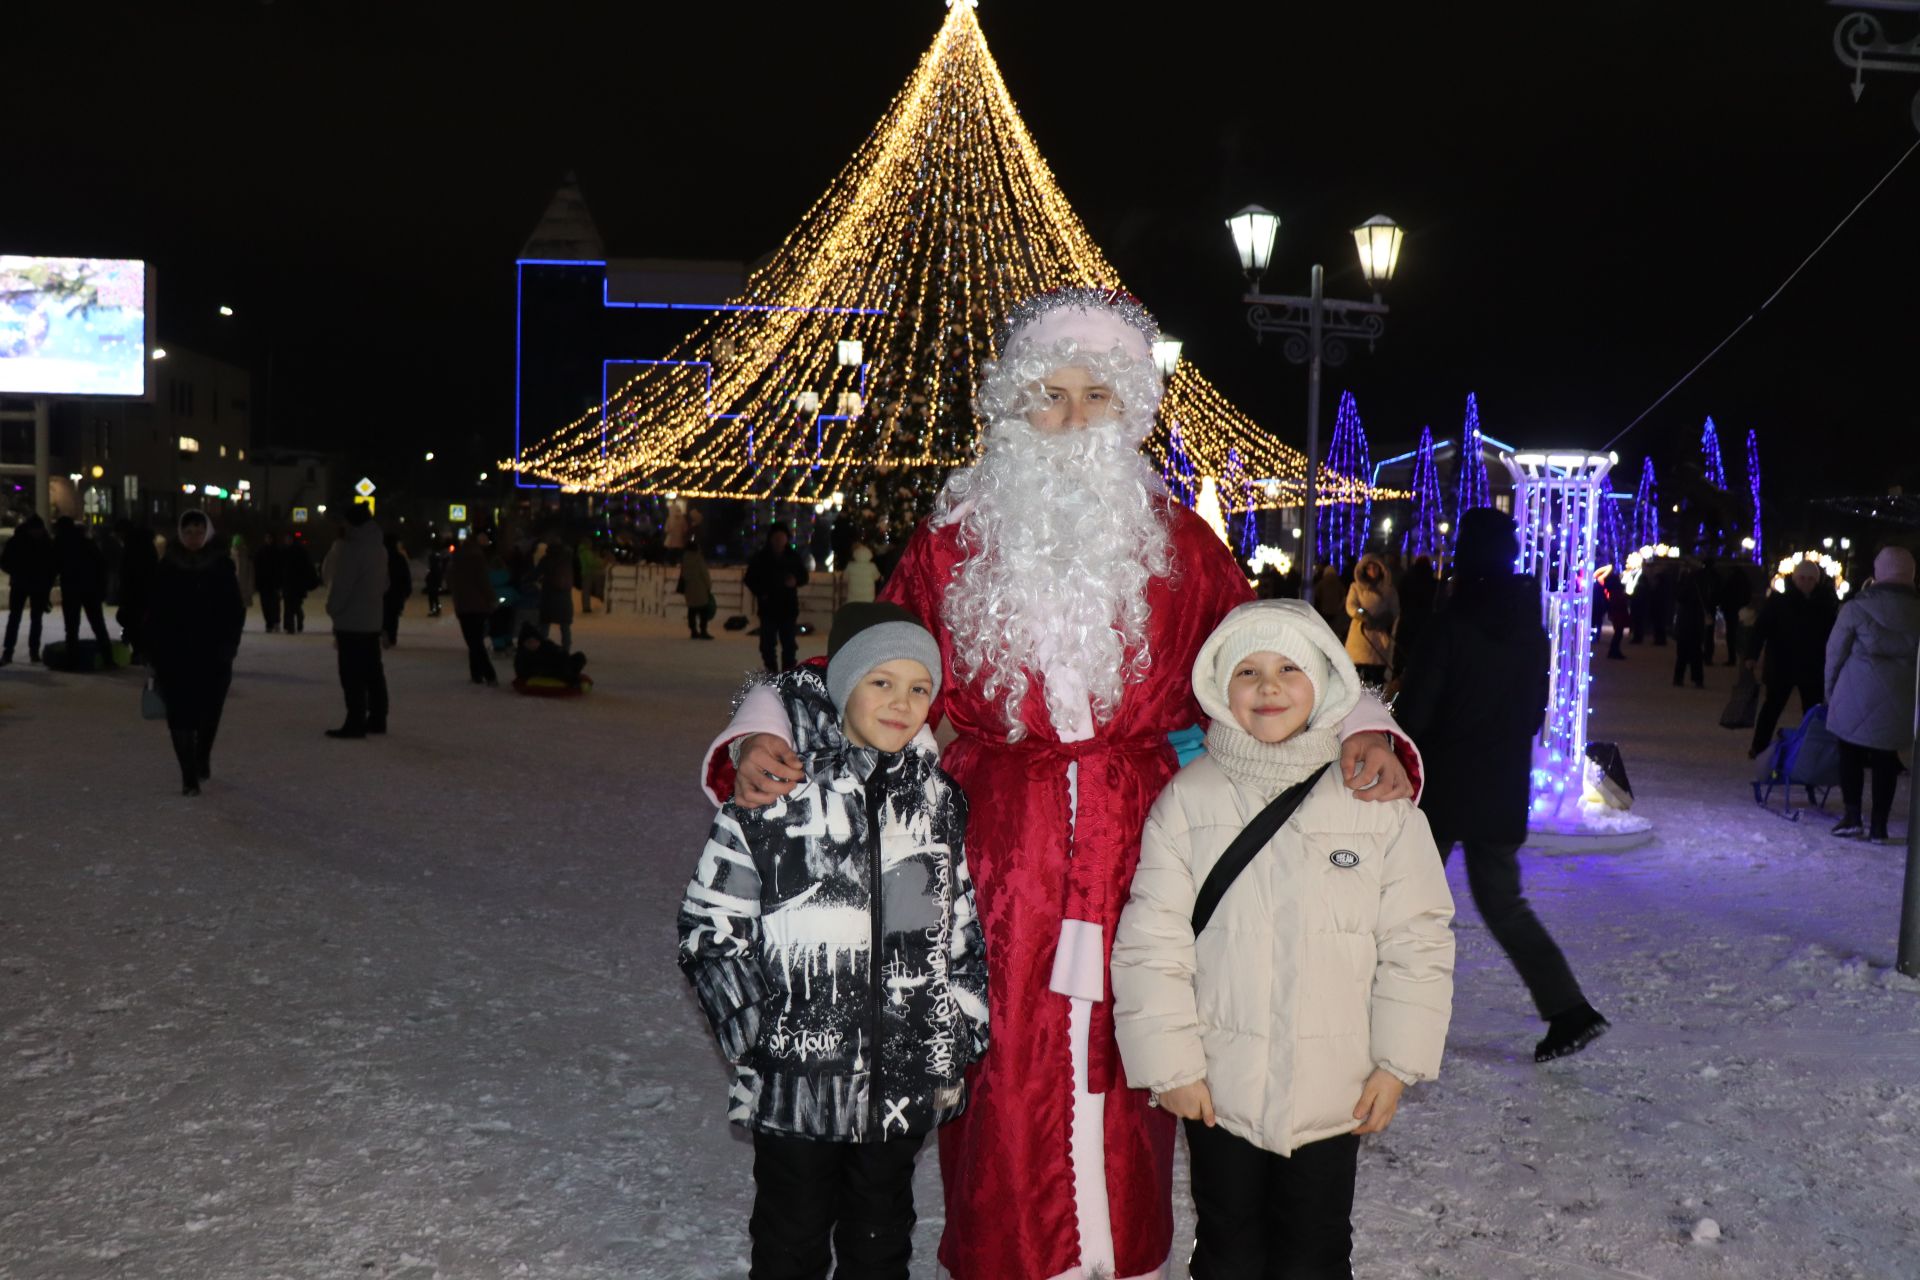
(1594, 196)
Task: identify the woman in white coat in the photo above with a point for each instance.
(1323, 984)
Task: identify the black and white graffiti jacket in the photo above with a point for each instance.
(832, 940)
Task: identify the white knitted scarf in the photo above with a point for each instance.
(1270, 767)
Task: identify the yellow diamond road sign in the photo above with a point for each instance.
(363, 487)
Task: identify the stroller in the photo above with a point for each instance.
(1805, 757)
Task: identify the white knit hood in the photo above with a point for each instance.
(1290, 627)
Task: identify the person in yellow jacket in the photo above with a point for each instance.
(1320, 987)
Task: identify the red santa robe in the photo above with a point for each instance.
(1052, 842)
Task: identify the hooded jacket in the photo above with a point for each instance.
(197, 612)
(833, 943)
(469, 580)
(863, 576)
(28, 557)
(1792, 630)
(1473, 698)
(1373, 608)
(1329, 956)
(1870, 667)
(82, 566)
(356, 573)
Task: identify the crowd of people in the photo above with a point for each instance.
(182, 600)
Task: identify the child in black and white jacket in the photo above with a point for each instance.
(832, 941)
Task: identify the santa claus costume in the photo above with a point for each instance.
(1070, 595)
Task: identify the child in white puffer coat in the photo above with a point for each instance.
(1323, 983)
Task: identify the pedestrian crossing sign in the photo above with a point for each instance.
(456, 513)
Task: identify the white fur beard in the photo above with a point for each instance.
(1062, 532)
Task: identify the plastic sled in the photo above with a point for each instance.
(55, 655)
(1809, 757)
(549, 687)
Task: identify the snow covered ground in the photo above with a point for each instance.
(408, 1008)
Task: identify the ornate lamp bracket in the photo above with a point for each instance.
(1290, 318)
(1862, 42)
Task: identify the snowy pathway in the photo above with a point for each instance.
(407, 1008)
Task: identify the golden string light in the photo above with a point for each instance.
(945, 217)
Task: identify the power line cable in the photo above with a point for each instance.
(1769, 302)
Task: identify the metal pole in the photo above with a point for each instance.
(1310, 522)
(1909, 956)
(42, 459)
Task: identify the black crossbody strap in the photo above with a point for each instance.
(1248, 843)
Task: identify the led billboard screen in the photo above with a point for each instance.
(73, 326)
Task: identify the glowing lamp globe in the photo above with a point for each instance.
(1253, 231)
(1378, 239)
(1166, 355)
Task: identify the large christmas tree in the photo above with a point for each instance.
(848, 364)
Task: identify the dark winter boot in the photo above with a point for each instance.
(1570, 1032)
(6, 657)
(1849, 827)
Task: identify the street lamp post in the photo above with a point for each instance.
(1317, 329)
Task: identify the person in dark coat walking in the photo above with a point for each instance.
(1789, 645)
(555, 577)
(1419, 590)
(436, 574)
(1870, 688)
(399, 587)
(139, 562)
(1735, 593)
(1659, 582)
(269, 579)
(298, 577)
(193, 634)
(28, 564)
(774, 576)
(83, 587)
(470, 582)
(1692, 623)
(1474, 699)
(1619, 613)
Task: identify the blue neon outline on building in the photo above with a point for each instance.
(519, 347)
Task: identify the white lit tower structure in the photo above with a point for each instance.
(1557, 498)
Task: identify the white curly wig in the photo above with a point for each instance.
(1062, 532)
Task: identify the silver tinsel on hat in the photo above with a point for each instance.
(1118, 301)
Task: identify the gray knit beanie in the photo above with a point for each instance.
(864, 635)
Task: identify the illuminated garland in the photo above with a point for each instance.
(1422, 537)
(1710, 464)
(1177, 469)
(1471, 488)
(1345, 530)
(1646, 507)
(854, 352)
(1753, 493)
(1612, 545)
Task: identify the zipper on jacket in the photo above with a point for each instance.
(876, 802)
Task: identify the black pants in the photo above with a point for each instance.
(1854, 763)
(70, 610)
(390, 611)
(270, 608)
(698, 616)
(789, 643)
(1269, 1217)
(1689, 653)
(296, 611)
(859, 1195)
(35, 603)
(1619, 634)
(1493, 877)
(362, 679)
(473, 629)
(1733, 638)
(433, 602)
(195, 695)
(1811, 694)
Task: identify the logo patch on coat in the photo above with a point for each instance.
(1344, 858)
